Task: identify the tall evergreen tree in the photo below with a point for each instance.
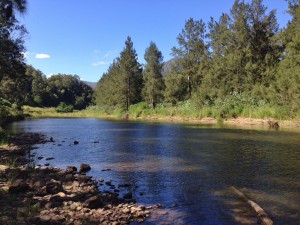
(152, 74)
(108, 87)
(131, 75)
(191, 52)
(265, 50)
(288, 80)
(216, 80)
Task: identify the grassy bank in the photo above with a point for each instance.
(182, 112)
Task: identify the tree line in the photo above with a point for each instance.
(57, 89)
(240, 58)
(22, 84)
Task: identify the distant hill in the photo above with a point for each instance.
(91, 84)
(168, 65)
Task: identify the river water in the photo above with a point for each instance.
(189, 169)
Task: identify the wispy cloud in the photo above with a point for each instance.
(42, 56)
(110, 53)
(99, 63)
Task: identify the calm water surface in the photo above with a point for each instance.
(189, 169)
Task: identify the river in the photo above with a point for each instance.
(187, 168)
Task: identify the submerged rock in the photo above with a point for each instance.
(127, 195)
(49, 158)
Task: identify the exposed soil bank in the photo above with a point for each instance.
(49, 195)
(238, 122)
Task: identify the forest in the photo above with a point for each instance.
(228, 67)
(238, 61)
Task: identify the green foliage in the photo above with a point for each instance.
(176, 86)
(136, 110)
(288, 77)
(12, 66)
(64, 108)
(191, 53)
(3, 137)
(152, 74)
(58, 88)
(121, 86)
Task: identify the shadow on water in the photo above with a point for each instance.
(188, 169)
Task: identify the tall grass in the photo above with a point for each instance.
(183, 110)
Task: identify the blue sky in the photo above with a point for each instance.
(83, 37)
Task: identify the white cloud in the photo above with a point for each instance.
(99, 63)
(25, 54)
(42, 56)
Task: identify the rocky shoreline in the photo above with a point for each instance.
(49, 195)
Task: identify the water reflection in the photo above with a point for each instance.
(187, 168)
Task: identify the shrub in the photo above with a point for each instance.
(64, 108)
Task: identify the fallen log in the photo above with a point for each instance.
(263, 216)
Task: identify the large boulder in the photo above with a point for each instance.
(127, 195)
(93, 202)
(18, 186)
(54, 188)
(84, 167)
(71, 169)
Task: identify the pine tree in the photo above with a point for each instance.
(152, 74)
(107, 91)
(265, 50)
(191, 53)
(288, 80)
(131, 75)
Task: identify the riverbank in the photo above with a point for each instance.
(179, 117)
(48, 195)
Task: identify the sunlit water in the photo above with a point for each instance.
(189, 169)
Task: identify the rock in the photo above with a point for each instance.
(4, 168)
(47, 164)
(127, 195)
(51, 139)
(123, 185)
(273, 124)
(125, 116)
(75, 142)
(126, 210)
(69, 177)
(100, 179)
(40, 157)
(82, 178)
(39, 184)
(108, 183)
(71, 169)
(49, 158)
(53, 204)
(93, 202)
(54, 188)
(84, 167)
(18, 186)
